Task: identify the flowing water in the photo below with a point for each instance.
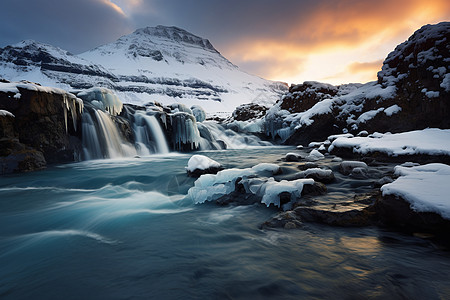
(124, 229)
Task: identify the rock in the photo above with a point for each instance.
(315, 189)
(286, 220)
(397, 212)
(359, 173)
(249, 111)
(200, 164)
(315, 155)
(350, 217)
(40, 123)
(382, 181)
(307, 165)
(293, 157)
(411, 93)
(347, 167)
(16, 157)
(321, 175)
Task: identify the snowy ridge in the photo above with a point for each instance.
(164, 64)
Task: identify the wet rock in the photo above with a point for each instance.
(346, 167)
(16, 157)
(293, 157)
(320, 175)
(359, 173)
(397, 212)
(379, 183)
(286, 220)
(315, 189)
(307, 165)
(350, 217)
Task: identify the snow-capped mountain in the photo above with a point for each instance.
(164, 64)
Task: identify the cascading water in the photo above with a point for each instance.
(216, 136)
(148, 134)
(101, 138)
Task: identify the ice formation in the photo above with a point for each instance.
(211, 187)
(103, 99)
(199, 113)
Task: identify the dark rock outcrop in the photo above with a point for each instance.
(46, 123)
(412, 93)
(249, 111)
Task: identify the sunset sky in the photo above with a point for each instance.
(335, 41)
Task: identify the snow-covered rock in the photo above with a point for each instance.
(431, 141)
(425, 187)
(200, 164)
(315, 155)
(291, 156)
(347, 167)
(411, 93)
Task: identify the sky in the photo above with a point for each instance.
(334, 41)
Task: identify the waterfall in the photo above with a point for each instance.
(149, 134)
(101, 138)
(216, 136)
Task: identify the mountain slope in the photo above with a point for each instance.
(164, 64)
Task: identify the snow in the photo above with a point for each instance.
(201, 162)
(425, 187)
(191, 71)
(446, 82)
(5, 113)
(316, 171)
(431, 141)
(315, 155)
(392, 110)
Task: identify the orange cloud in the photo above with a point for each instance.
(350, 38)
(373, 66)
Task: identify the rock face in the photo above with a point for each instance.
(45, 125)
(412, 93)
(249, 111)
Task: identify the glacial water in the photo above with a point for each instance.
(124, 229)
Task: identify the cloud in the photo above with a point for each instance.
(358, 67)
(74, 25)
(288, 40)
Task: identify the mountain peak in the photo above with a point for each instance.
(175, 34)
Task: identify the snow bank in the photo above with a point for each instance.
(425, 187)
(201, 162)
(431, 141)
